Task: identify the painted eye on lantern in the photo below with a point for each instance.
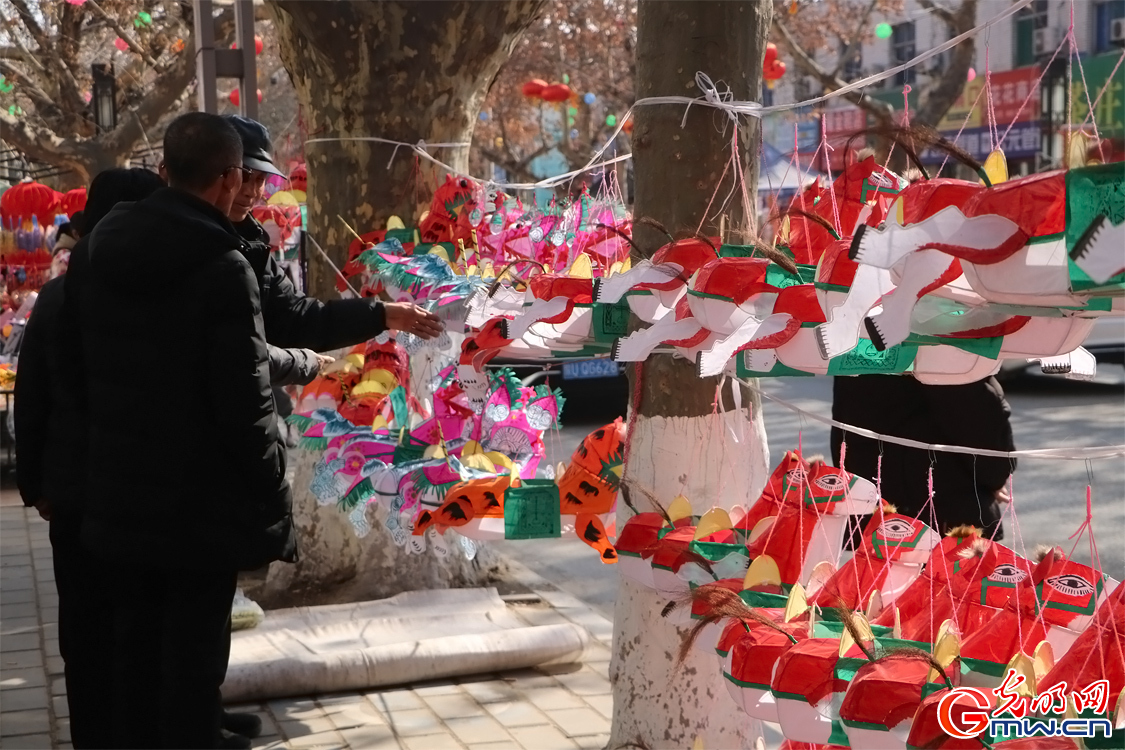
(1008, 573)
(895, 528)
(796, 476)
(1071, 584)
(832, 483)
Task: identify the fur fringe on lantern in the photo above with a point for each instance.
(721, 604)
(1043, 550)
(963, 531)
(976, 548)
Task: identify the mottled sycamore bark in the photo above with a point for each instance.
(403, 71)
(676, 443)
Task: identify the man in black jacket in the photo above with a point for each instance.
(51, 456)
(967, 489)
(291, 318)
(187, 476)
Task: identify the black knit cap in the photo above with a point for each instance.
(255, 144)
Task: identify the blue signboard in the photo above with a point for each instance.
(1021, 142)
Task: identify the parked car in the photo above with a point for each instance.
(594, 387)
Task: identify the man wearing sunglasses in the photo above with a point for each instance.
(292, 319)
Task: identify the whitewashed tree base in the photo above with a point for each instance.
(337, 566)
(656, 701)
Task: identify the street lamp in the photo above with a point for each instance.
(104, 96)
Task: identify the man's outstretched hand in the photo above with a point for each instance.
(408, 318)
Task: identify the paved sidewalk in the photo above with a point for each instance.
(550, 708)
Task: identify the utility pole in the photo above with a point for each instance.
(212, 64)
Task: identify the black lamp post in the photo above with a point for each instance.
(104, 97)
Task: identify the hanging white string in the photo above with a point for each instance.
(334, 268)
(1061, 454)
(755, 109)
(710, 98)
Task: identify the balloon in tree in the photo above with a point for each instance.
(772, 68)
(556, 92)
(533, 89)
(884, 31)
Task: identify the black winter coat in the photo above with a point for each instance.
(296, 321)
(186, 468)
(974, 415)
(50, 426)
(292, 366)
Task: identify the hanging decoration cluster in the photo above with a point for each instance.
(772, 68)
(870, 652)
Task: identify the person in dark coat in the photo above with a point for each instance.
(967, 489)
(291, 318)
(50, 456)
(186, 480)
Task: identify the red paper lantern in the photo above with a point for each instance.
(556, 92)
(771, 53)
(773, 71)
(72, 201)
(26, 200)
(533, 89)
(299, 178)
(287, 218)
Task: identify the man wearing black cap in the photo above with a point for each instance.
(291, 318)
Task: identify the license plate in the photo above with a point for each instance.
(589, 369)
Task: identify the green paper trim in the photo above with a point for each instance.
(743, 684)
(980, 666)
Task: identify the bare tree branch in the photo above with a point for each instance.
(521, 168)
(14, 53)
(940, 11)
(45, 105)
(19, 43)
(125, 35)
(168, 88)
(881, 110)
(60, 79)
(27, 18)
(856, 39)
(40, 143)
(940, 95)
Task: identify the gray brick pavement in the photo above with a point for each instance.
(565, 707)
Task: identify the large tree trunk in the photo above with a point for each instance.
(678, 442)
(403, 71)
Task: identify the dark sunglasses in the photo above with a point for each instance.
(247, 172)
